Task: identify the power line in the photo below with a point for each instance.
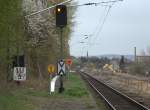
(103, 22)
(101, 27)
(107, 4)
(86, 4)
(96, 4)
(97, 27)
(103, 3)
(48, 8)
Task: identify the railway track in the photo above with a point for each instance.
(113, 98)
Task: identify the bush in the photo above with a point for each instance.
(139, 68)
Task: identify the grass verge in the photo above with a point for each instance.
(12, 102)
(23, 98)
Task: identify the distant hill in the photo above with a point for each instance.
(110, 56)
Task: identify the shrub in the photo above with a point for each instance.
(139, 68)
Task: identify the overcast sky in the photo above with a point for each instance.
(127, 25)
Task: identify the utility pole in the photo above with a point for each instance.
(8, 58)
(61, 22)
(18, 62)
(61, 89)
(135, 59)
(61, 43)
(87, 56)
(87, 59)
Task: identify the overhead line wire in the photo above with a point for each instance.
(103, 22)
(98, 3)
(48, 8)
(67, 1)
(101, 27)
(97, 27)
(105, 18)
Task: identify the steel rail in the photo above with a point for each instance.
(109, 103)
(132, 101)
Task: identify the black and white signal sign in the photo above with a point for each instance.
(19, 73)
(61, 67)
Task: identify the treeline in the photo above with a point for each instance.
(37, 39)
(98, 62)
(11, 34)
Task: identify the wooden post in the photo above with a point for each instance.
(147, 85)
(141, 85)
(138, 84)
(128, 82)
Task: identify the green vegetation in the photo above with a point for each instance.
(17, 33)
(75, 87)
(47, 49)
(139, 68)
(33, 94)
(22, 98)
(11, 33)
(14, 103)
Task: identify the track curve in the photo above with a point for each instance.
(113, 98)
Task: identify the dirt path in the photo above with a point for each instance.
(53, 103)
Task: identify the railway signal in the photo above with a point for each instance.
(69, 62)
(61, 15)
(61, 22)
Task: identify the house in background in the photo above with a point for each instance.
(143, 59)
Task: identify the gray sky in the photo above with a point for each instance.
(127, 25)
